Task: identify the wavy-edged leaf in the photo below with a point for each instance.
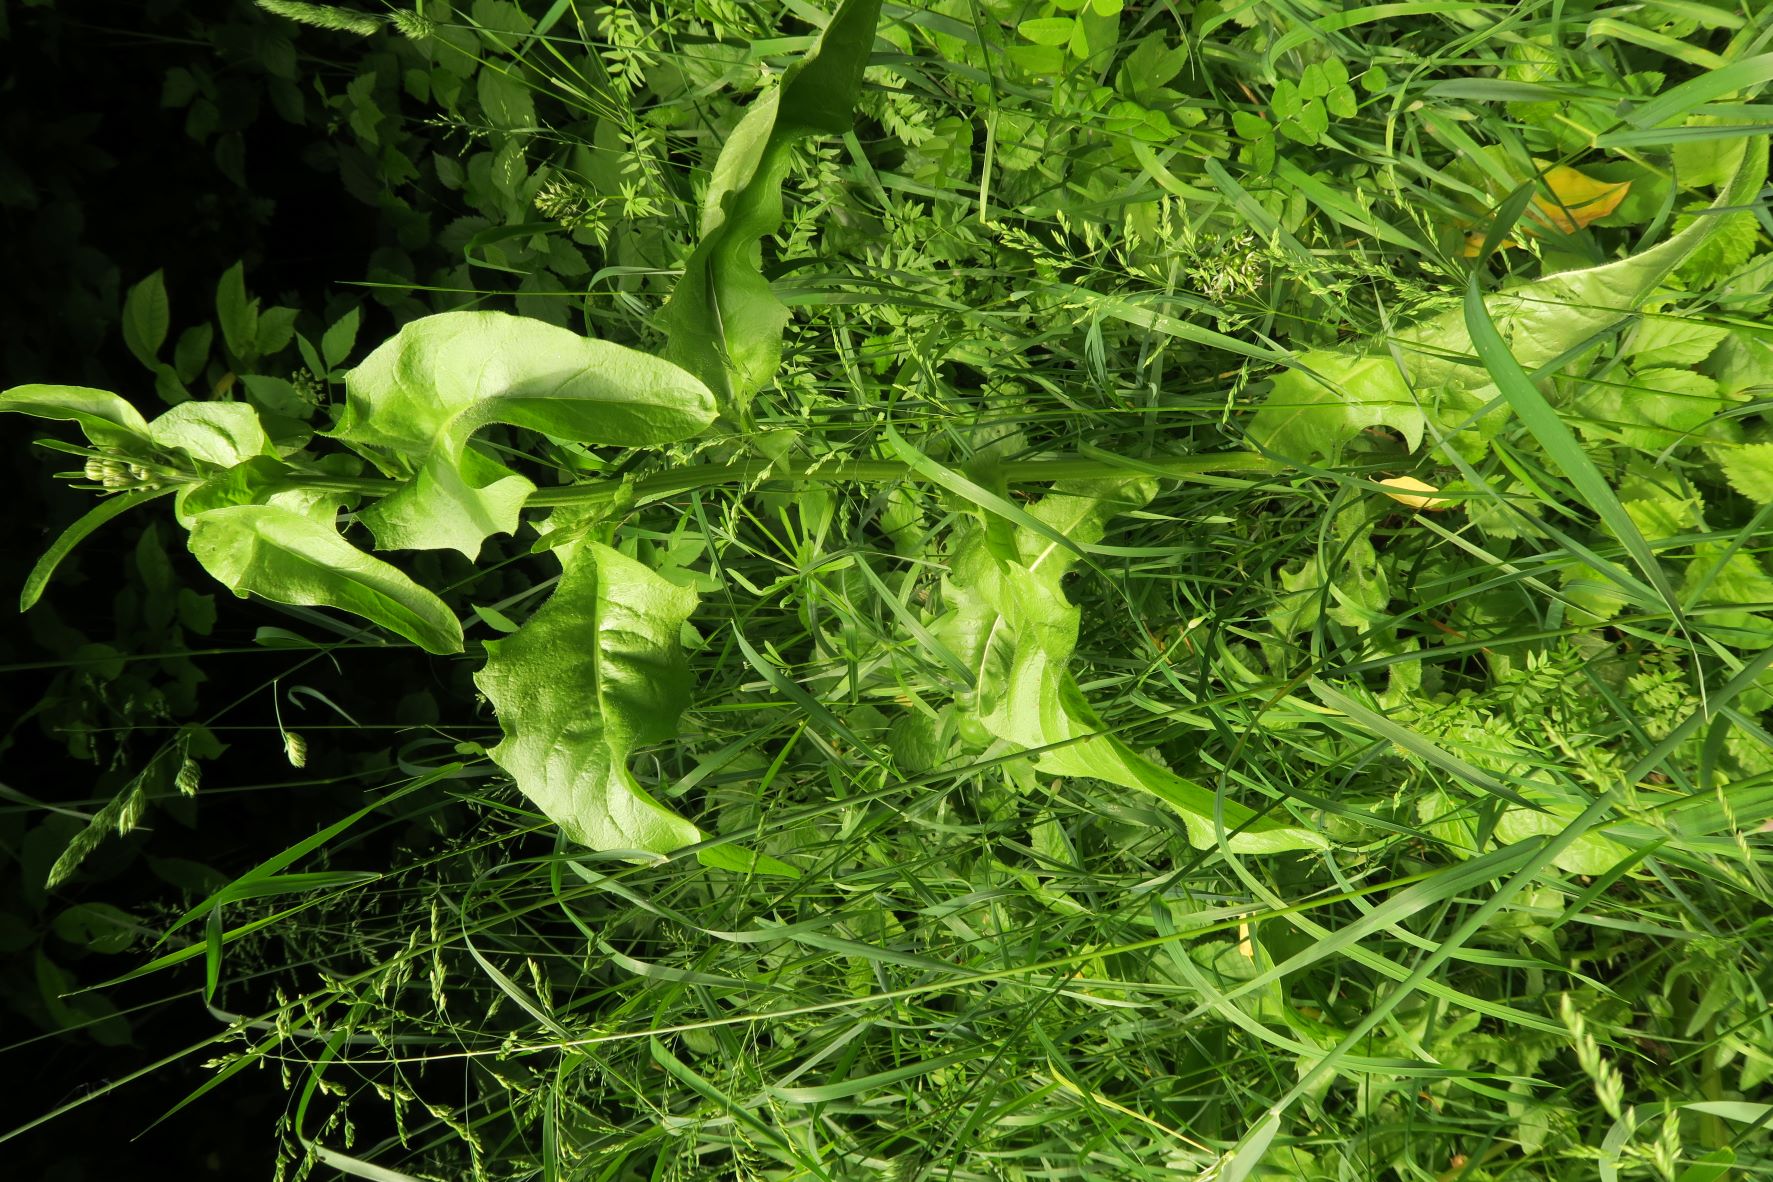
(723, 322)
(595, 673)
(1307, 416)
(1550, 317)
(283, 556)
(1011, 625)
(1328, 399)
(414, 403)
(107, 420)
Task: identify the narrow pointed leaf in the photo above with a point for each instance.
(283, 556)
(76, 533)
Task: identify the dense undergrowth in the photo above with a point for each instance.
(1042, 590)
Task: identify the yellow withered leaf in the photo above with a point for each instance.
(1417, 494)
(1576, 199)
(1568, 200)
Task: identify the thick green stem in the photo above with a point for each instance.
(664, 484)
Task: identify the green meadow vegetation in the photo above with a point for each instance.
(946, 591)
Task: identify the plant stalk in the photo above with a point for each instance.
(664, 484)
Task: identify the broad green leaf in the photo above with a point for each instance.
(506, 99)
(274, 330)
(98, 926)
(1540, 322)
(192, 351)
(1548, 318)
(277, 395)
(1707, 162)
(146, 319)
(723, 322)
(1590, 853)
(238, 316)
(283, 556)
(595, 673)
(218, 433)
(1651, 410)
(1048, 30)
(1735, 588)
(1011, 625)
(259, 480)
(418, 398)
(335, 344)
(1316, 408)
(107, 420)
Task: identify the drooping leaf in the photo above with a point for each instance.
(1012, 627)
(71, 537)
(1548, 318)
(416, 400)
(107, 420)
(594, 674)
(1540, 322)
(723, 322)
(283, 556)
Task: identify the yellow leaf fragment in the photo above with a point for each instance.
(1575, 199)
(1417, 494)
(1568, 201)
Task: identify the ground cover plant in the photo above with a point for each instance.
(960, 590)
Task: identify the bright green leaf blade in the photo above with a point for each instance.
(1696, 92)
(415, 402)
(1013, 628)
(845, 1088)
(238, 316)
(1315, 409)
(220, 433)
(286, 557)
(595, 673)
(107, 420)
(336, 342)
